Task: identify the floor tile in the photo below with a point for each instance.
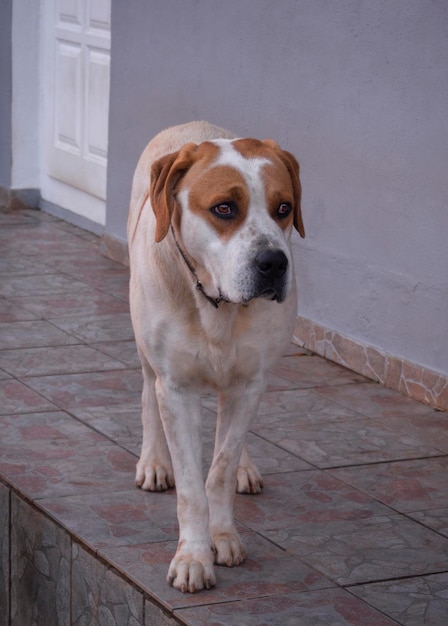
(302, 403)
(17, 398)
(124, 351)
(32, 334)
(121, 422)
(293, 498)
(363, 550)
(39, 284)
(411, 601)
(431, 428)
(96, 328)
(342, 442)
(10, 312)
(373, 400)
(89, 301)
(90, 390)
(331, 607)
(52, 454)
(312, 371)
(55, 360)
(117, 518)
(267, 571)
(21, 266)
(406, 486)
(436, 519)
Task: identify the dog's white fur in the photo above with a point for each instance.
(188, 346)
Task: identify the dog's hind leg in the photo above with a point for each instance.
(248, 478)
(154, 468)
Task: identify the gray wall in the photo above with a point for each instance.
(5, 93)
(359, 93)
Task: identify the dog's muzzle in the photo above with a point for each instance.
(270, 269)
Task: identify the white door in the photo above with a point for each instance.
(76, 102)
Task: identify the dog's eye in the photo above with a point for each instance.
(284, 210)
(225, 210)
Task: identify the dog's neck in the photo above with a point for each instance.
(199, 286)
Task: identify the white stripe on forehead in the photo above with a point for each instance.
(249, 167)
(228, 155)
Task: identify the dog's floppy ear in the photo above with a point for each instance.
(165, 174)
(293, 168)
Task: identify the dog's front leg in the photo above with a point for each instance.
(235, 411)
(192, 566)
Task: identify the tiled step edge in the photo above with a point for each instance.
(49, 577)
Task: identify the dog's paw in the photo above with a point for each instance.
(192, 571)
(249, 479)
(152, 477)
(229, 549)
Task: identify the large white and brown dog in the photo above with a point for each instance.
(213, 303)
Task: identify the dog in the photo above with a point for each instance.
(213, 304)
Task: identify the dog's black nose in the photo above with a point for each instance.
(271, 264)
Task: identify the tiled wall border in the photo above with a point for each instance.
(411, 379)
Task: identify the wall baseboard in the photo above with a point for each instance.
(411, 379)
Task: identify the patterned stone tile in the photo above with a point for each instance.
(51, 454)
(90, 301)
(365, 550)
(40, 568)
(124, 351)
(373, 400)
(39, 284)
(430, 428)
(15, 218)
(122, 423)
(301, 403)
(436, 519)
(101, 597)
(291, 499)
(114, 282)
(410, 601)
(119, 518)
(311, 371)
(55, 360)
(22, 266)
(51, 240)
(96, 328)
(4, 549)
(77, 265)
(90, 390)
(17, 398)
(10, 312)
(267, 571)
(406, 486)
(32, 334)
(342, 442)
(334, 607)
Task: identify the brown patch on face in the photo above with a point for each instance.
(218, 186)
(282, 161)
(166, 173)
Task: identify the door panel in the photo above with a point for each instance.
(76, 128)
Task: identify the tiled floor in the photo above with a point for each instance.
(352, 524)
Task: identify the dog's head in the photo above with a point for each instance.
(233, 204)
